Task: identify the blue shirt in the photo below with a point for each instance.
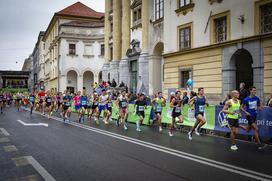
(200, 104)
(83, 100)
(252, 105)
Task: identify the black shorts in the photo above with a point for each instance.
(65, 107)
(233, 122)
(109, 109)
(199, 113)
(48, 104)
(89, 107)
(140, 113)
(158, 113)
(251, 120)
(94, 107)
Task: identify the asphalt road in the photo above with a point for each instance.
(105, 152)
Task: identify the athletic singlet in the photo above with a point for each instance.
(158, 106)
(103, 100)
(31, 98)
(83, 100)
(122, 102)
(177, 104)
(235, 107)
(200, 104)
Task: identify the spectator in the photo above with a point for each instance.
(185, 98)
(113, 84)
(227, 97)
(122, 84)
(269, 101)
(243, 92)
(109, 83)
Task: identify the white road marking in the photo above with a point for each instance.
(199, 159)
(45, 175)
(32, 124)
(4, 131)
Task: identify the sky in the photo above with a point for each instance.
(20, 24)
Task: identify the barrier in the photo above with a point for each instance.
(216, 119)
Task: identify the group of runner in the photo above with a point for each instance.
(93, 106)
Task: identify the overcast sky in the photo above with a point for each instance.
(20, 23)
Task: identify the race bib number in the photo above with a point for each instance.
(141, 108)
(109, 104)
(252, 105)
(201, 108)
(123, 104)
(159, 109)
(49, 100)
(31, 99)
(83, 102)
(178, 109)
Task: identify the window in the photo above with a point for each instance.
(183, 3)
(220, 29)
(159, 9)
(185, 75)
(102, 49)
(185, 38)
(137, 15)
(35, 78)
(111, 27)
(266, 18)
(72, 49)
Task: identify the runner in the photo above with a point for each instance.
(140, 107)
(19, 101)
(102, 105)
(49, 104)
(32, 101)
(94, 107)
(83, 105)
(200, 101)
(41, 96)
(77, 103)
(250, 106)
(1, 101)
(176, 104)
(232, 109)
(25, 101)
(159, 102)
(122, 102)
(89, 99)
(66, 106)
(109, 106)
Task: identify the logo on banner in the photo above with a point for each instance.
(222, 119)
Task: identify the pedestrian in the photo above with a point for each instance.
(243, 93)
(200, 101)
(113, 84)
(269, 101)
(250, 106)
(232, 109)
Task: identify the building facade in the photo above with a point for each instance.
(27, 67)
(73, 49)
(134, 44)
(15, 79)
(38, 63)
(218, 44)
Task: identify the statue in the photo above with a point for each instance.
(135, 50)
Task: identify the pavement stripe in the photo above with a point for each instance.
(32, 124)
(4, 140)
(10, 148)
(199, 159)
(4, 131)
(46, 176)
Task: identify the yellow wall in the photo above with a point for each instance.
(267, 45)
(206, 68)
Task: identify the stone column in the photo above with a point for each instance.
(79, 83)
(124, 63)
(117, 25)
(145, 25)
(143, 73)
(125, 27)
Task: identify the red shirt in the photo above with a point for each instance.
(41, 95)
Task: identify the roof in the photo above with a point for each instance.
(80, 10)
(87, 24)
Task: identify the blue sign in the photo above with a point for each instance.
(264, 122)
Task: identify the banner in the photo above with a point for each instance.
(264, 122)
